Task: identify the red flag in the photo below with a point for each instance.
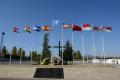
(15, 29)
(86, 27)
(76, 28)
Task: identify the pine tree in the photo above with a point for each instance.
(67, 54)
(20, 50)
(46, 52)
(34, 55)
(4, 50)
(23, 53)
(14, 51)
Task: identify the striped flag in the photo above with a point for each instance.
(97, 28)
(107, 29)
(67, 25)
(27, 29)
(86, 27)
(36, 28)
(46, 28)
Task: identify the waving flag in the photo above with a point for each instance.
(107, 29)
(67, 25)
(15, 29)
(55, 22)
(36, 28)
(27, 29)
(97, 29)
(76, 28)
(46, 28)
(86, 27)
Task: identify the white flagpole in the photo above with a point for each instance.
(32, 49)
(11, 49)
(21, 56)
(93, 42)
(103, 49)
(51, 41)
(10, 56)
(62, 46)
(41, 46)
(83, 45)
(13, 43)
(72, 44)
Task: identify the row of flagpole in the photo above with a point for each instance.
(93, 49)
(82, 37)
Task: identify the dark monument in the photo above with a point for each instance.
(56, 73)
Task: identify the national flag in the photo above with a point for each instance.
(46, 28)
(36, 28)
(15, 29)
(76, 28)
(67, 25)
(86, 27)
(27, 29)
(55, 22)
(97, 28)
(107, 29)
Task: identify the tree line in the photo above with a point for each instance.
(68, 52)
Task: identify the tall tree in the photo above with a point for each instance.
(67, 54)
(14, 51)
(46, 53)
(4, 50)
(34, 55)
(21, 52)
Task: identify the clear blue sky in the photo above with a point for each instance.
(41, 12)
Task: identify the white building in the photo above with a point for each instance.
(107, 61)
(96, 61)
(118, 61)
(111, 61)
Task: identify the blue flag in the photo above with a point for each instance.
(36, 28)
(55, 22)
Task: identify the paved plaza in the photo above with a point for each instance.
(77, 72)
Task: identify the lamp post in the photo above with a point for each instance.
(1, 42)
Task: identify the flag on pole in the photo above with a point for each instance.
(67, 25)
(36, 28)
(97, 28)
(107, 29)
(15, 29)
(86, 27)
(55, 22)
(76, 28)
(46, 28)
(27, 29)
